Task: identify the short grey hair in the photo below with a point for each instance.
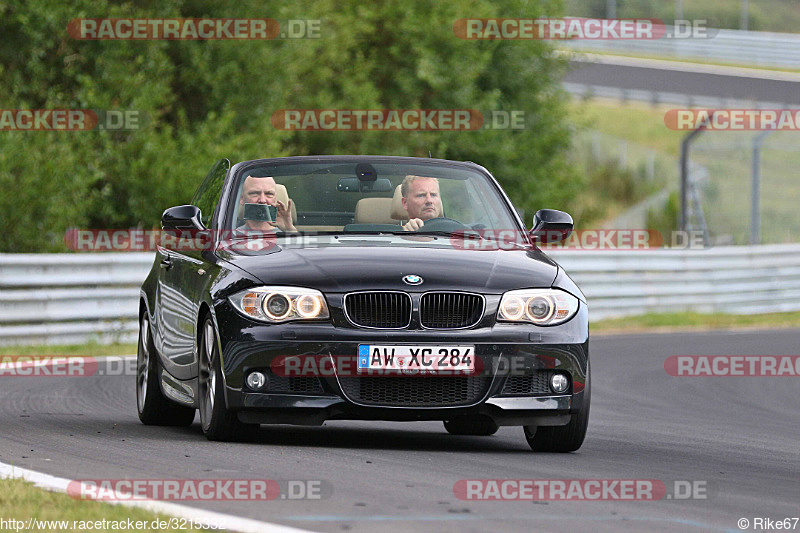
(408, 180)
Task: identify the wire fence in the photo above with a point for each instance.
(742, 186)
(752, 185)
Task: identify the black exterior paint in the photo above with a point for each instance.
(177, 298)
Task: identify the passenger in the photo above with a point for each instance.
(263, 190)
(420, 198)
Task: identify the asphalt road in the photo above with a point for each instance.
(690, 83)
(738, 435)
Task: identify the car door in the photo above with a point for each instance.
(182, 280)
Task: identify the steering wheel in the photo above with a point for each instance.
(441, 224)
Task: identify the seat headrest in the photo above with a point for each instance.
(374, 211)
(398, 212)
(283, 196)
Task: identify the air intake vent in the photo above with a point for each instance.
(416, 391)
(447, 310)
(388, 310)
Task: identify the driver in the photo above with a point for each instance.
(421, 200)
(262, 190)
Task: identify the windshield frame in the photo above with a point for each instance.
(237, 172)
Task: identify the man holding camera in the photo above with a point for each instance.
(263, 190)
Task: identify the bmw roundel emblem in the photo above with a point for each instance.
(412, 279)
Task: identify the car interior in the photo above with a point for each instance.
(339, 199)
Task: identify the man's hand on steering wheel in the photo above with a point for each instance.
(414, 224)
(434, 225)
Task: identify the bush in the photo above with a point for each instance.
(205, 100)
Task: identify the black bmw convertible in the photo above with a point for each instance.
(362, 288)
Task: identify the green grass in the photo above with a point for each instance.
(625, 153)
(654, 323)
(727, 155)
(636, 122)
(88, 350)
(728, 158)
(21, 500)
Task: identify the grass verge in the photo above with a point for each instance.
(669, 322)
(638, 122)
(727, 158)
(87, 350)
(21, 500)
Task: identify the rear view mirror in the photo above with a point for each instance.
(379, 185)
(348, 185)
(551, 225)
(357, 185)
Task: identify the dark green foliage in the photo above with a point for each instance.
(666, 219)
(210, 99)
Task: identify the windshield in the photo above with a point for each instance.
(363, 197)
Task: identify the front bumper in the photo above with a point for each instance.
(506, 350)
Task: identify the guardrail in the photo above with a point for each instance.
(70, 298)
(729, 279)
(582, 90)
(738, 47)
(75, 298)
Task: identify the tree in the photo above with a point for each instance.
(203, 100)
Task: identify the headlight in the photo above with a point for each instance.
(544, 307)
(281, 304)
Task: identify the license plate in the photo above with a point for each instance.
(416, 359)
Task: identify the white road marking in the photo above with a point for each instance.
(232, 523)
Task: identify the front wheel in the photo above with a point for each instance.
(154, 408)
(562, 439)
(218, 422)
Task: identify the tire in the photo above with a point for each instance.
(218, 422)
(562, 439)
(153, 407)
(481, 426)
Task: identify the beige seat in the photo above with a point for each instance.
(374, 211)
(283, 196)
(398, 212)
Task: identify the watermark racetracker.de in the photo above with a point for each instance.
(141, 240)
(171, 29)
(581, 489)
(397, 119)
(66, 366)
(70, 120)
(733, 119)
(199, 489)
(569, 28)
(733, 365)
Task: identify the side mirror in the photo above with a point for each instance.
(182, 217)
(551, 225)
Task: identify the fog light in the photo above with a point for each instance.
(559, 383)
(256, 380)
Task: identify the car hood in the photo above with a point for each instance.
(349, 263)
